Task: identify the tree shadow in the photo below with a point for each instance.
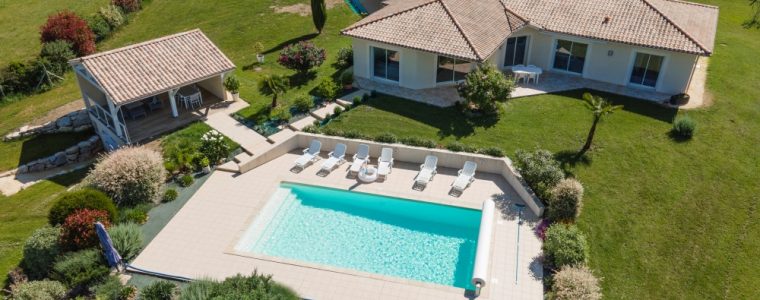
(300, 79)
(252, 66)
(569, 158)
(674, 136)
(44, 145)
(284, 44)
(635, 105)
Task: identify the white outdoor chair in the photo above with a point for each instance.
(334, 158)
(385, 163)
(360, 159)
(427, 171)
(465, 178)
(310, 155)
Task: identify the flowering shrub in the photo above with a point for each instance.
(214, 147)
(345, 58)
(68, 26)
(130, 175)
(541, 228)
(128, 6)
(301, 56)
(69, 202)
(565, 200)
(39, 290)
(112, 15)
(78, 231)
(576, 282)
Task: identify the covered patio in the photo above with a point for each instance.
(140, 91)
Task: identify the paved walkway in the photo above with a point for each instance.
(14, 183)
(223, 122)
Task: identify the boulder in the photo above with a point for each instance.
(36, 166)
(80, 120)
(65, 129)
(72, 157)
(58, 159)
(84, 147)
(72, 150)
(82, 128)
(94, 139)
(64, 121)
(22, 169)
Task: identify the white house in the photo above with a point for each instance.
(644, 46)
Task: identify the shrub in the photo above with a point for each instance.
(127, 239)
(492, 151)
(301, 56)
(356, 101)
(576, 282)
(68, 26)
(347, 77)
(418, 142)
(72, 201)
(39, 290)
(199, 290)
(239, 287)
(112, 289)
(186, 180)
(332, 131)
(281, 114)
(311, 129)
(40, 250)
(78, 231)
(128, 6)
(565, 200)
(170, 195)
(99, 27)
(57, 54)
(327, 89)
(214, 146)
(345, 58)
(540, 170)
(80, 268)
(486, 87)
(337, 111)
(137, 214)
(113, 15)
(684, 127)
(130, 175)
(565, 245)
(160, 290)
(232, 84)
(541, 228)
(353, 134)
(386, 138)
(303, 103)
(365, 97)
(20, 77)
(455, 147)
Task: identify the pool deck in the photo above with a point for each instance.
(199, 240)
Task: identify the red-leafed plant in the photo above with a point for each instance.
(301, 56)
(68, 26)
(129, 6)
(78, 231)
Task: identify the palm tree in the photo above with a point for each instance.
(273, 85)
(600, 108)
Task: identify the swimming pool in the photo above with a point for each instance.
(369, 233)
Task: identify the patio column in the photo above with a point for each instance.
(115, 116)
(173, 102)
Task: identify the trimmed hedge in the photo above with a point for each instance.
(69, 202)
(40, 251)
(565, 245)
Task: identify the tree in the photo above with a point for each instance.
(273, 85)
(754, 21)
(68, 26)
(600, 108)
(319, 14)
(486, 87)
(302, 56)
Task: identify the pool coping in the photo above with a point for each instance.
(230, 249)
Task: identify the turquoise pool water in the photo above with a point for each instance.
(370, 233)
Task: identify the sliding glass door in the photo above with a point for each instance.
(386, 63)
(451, 69)
(570, 56)
(646, 69)
(517, 49)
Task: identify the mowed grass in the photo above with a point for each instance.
(665, 219)
(26, 211)
(233, 25)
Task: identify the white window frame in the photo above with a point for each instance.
(553, 56)
(528, 48)
(372, 64)
(631, 65)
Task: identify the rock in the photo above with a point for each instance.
(36, 167)
(23, 169)
(58, 159)
(72, 150)
(94, 139)
(72, 157)
(81, 120)
(64, 121)
(65, 129)
(84, 146)
(12, 136)
(82, 128)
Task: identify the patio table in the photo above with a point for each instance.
(529, 71)
(136, 110)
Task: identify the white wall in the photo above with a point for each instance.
(214, 86)
(417, 67)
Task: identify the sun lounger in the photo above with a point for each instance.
(385, 162)
(310, 155)
(466, 176)
(427, 171)
(334, 158)
(360, 159)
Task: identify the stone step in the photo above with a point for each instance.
(243, 156)
(322, 112)
(300, 124)
(229, 166)
(281, 136)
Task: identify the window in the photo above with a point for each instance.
(386, 63)
(516, 50)
(646, 69)
(451, 69)
(570, 56)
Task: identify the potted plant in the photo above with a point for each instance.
(258, 48)
(233, 86)
(347, 79)
(205, 163)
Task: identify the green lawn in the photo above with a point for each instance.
(665, 219)
(26, 211)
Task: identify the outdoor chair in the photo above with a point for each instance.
(310, 155)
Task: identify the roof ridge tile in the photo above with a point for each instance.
(678, 27)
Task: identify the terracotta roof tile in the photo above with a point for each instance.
(137, 71)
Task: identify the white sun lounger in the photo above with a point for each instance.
(334, 158)
(310, 154)
(466, 176)
(385, 162)
(360, 159)
(427, 171)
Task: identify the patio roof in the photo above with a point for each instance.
(137, 71)
(475, 29)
